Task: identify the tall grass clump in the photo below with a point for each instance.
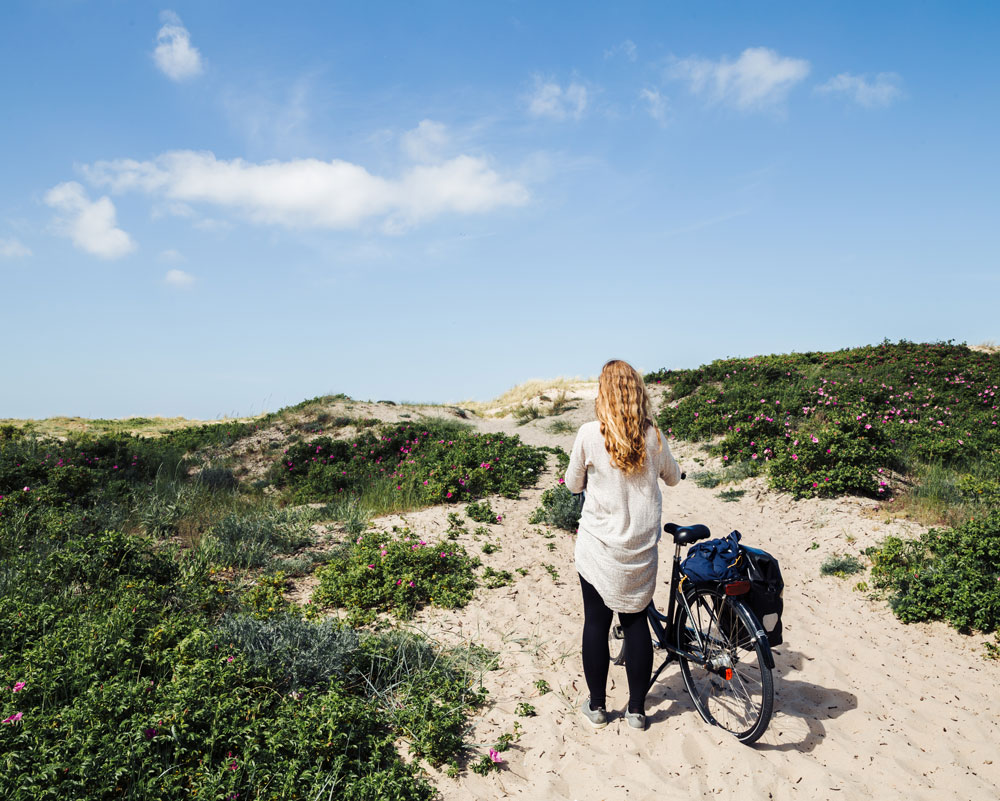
(250, 538)
(525, 413)
(841, 565)
(561, 427)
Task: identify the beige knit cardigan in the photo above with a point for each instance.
(620, 524)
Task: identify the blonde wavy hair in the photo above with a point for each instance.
(625, 413)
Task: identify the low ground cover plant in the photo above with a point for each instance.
(841, 565)
(481, 512)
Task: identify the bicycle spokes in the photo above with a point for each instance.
(728, 679)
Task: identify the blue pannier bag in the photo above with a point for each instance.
(717, 560)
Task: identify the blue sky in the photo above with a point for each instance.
(213, 208)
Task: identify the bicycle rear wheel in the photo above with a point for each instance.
(735, 689)
(616, 642)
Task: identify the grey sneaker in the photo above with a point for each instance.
(635, 720)
(598, 718)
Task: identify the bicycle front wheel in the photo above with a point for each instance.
(734, 689)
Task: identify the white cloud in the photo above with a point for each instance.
(426, 142)
(758, 79)
(171, 256)
(882, 90)
(90, 224)
(550, 100)
(312, 193)
(626, 48)
(176, 57)
(179, 279)
(656, 104)
(13, 249)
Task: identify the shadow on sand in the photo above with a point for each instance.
(800, 707)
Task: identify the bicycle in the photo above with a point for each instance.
(723, 651)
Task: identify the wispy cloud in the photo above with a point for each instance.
(626, 48)
(13, 249)
(760, 78)
(275, 116)
(656, 104)
(176, 57)
(179, 279)
(882, 90)
(171, 256)
(427, 142)
(91, 225)
(313, 193)
(549, 99)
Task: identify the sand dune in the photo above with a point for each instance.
(866, 707)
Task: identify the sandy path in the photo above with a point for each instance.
(866, 707)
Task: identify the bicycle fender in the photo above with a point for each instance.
(761, 636)
(765, 645)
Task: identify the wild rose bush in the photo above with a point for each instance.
(833, 423)
(418, 465)
(396, 572)
(83, 469)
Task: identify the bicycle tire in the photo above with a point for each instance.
(616, 642)
(724, 630)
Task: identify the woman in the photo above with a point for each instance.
(618, 459)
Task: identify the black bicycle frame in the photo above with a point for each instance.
(666, 636)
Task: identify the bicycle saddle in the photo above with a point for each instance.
(685, 535)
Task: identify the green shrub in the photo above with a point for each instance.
(945, 574)
(397, 573)
(560, 508)
(399, 467)
(195, 438)
(833, 423)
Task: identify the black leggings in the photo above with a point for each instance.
(638, 649)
